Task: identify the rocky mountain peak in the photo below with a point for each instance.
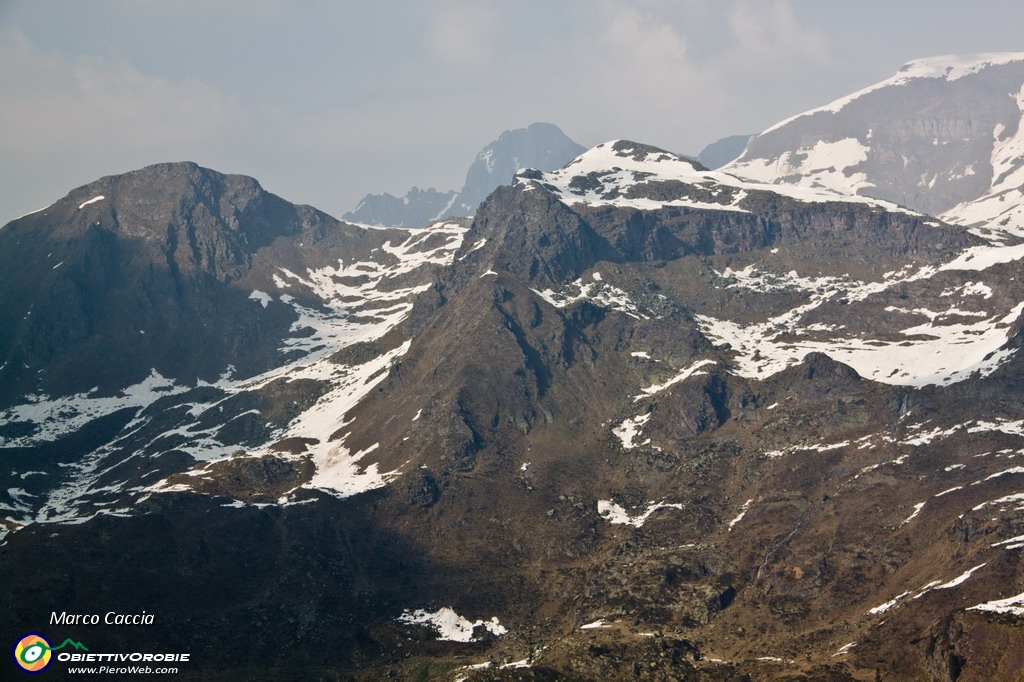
(153, 270)
(416, 209)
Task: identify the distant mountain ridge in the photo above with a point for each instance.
(721, 152)
(541, 145)
(943, 136)
(416, 209)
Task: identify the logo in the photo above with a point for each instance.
(32, 652)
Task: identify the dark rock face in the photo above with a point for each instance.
(155, 275)
(537, 237)
(532, 235)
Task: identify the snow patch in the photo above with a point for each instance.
(1014, 605)
(614, 513)
(630, 429)
(90, 201)
(606, 176)
(882, 608)
(593, 626)
(692, 370)
(917, 510)
(263, 298)
(598, 292)
(449, 625)
(55, 418)
(936, 352)
(743, 512)
(1012, 543)
(960, 579)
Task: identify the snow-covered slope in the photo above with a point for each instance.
(954, 329)
(629, 174)
(942, 136)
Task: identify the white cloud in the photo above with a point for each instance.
(67, 121)
(464, 34)
(58, 103)
(640, 40)
(772, 31)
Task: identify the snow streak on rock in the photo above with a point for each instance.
(360, 302)
(949, 346)
(614, 513)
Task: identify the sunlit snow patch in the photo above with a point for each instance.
(449, 625)
(1014, 605)
(932, 353)
(692, 370)
(614, 513)
(743, 512)
(917, 510)
(616, 173)
(595, 625)
(1012, 543)
(882, 608)
(598, 292)
(630, 429)
(844, 649)
(90, 201)
(960, 579)
(613, 174)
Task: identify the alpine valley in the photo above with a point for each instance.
(633, 419)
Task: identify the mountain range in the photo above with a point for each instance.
(634, 419)
(540, 145)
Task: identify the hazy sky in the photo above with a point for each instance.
(324, 101)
